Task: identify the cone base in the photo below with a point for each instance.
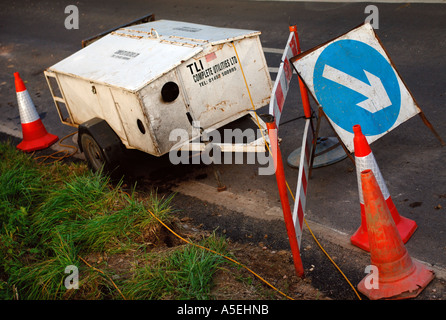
(360, 239)
(35, 137)
(405, 227)
(406, 288)
(38, 144)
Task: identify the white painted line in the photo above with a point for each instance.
(275, 70)
(277, 51)
(273, 50)
(10, 131)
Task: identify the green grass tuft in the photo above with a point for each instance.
(52, 215)
(183, 274)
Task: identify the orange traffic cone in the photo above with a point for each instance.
(35, 136)
(364, 160)
(398, 276)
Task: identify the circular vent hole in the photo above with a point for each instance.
(170, 91)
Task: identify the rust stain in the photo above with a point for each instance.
(219, 106)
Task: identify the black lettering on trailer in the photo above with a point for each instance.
(218, 70)
(124, 54)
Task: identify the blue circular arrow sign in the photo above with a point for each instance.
(355, 84)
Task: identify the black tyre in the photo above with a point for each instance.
(93, 153)
(101, 146)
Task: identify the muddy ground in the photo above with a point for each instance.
(261, 246)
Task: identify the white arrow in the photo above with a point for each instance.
(377, 98)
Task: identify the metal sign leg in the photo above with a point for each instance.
(329, 150)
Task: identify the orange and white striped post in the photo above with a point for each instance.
(35, 136)
(283, 193)
(303, 89)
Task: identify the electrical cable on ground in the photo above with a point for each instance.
(66, 154)
(102, 272)
(213, 251)
(258, 123)
(323, 250)
(219, 254)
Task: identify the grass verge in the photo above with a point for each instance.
(57, 219)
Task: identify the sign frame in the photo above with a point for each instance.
(344, 136)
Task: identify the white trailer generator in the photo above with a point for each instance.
(136, 84)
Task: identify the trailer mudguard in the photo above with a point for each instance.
(105, 137)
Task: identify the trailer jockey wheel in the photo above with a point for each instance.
(93, 153)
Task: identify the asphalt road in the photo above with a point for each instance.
(411, 159)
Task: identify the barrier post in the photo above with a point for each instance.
(283, 192)
(303, 89)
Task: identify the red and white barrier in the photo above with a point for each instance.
(302, 180)
(293, 221)
(35, 136)
(280, 90)
(282, 83)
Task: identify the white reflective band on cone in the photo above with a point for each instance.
(369, 162)
(27, 109)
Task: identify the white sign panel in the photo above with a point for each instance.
(354, 81)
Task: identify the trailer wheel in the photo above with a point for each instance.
(101, 146)
(93, 153)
